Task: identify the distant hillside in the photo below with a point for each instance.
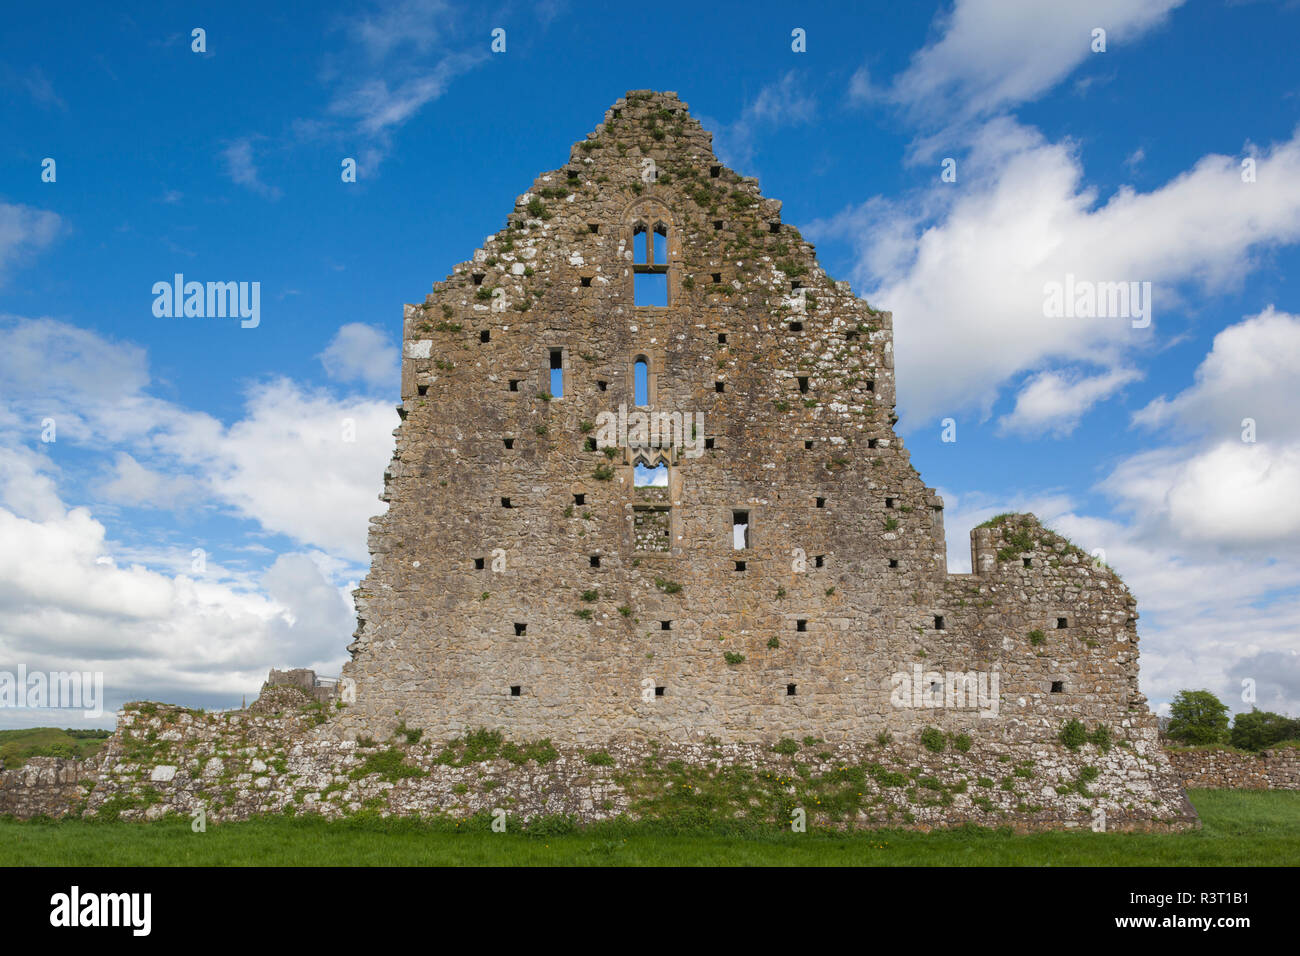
(17, 745)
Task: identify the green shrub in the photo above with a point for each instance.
(933, 739)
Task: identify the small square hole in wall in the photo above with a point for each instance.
(479, 563)
(889, 502)
(514, 385)
(586, 282)
(774, 227)
(485, 336)
(505, 503)
(801, 625)
(871, 386)
(595, 560)
(580, 499)
(478, 278)
(422, 389)
(719, 386)
(521, 630)
(593, 227)
(573, 173)
(717, 278)
(819, 561)
(803, 383)
(791, 689)
(708, 443)
(659, 691)
(715, 172)
(851, 335)
(1029, 562)
(873, 442)
(589, 444)
(807, 445)
(717, 225)
(722, 338)
(893, 562)
(821, 502)
(516, 690)
(740, 565)
(665, 625)
(602, 386)
(508, 442)
(1062, 623)
(796, 326)
(1058, 687)
(795, 285)
(938, 622)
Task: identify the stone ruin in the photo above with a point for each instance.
(647, 497)
(647, 484)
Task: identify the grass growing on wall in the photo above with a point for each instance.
(1241, 828)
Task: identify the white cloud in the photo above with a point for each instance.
(994, 54)
(362, 353)
(241, 167)
(778, 104)
(1056, 401)
(24, 230)
(1250, 372)
(964, 268)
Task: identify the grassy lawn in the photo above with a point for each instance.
(17, 745)
(1241, 828)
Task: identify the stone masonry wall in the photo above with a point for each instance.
(1277, 769)
(170, 761)
(517, 579)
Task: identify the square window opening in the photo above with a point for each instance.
(595, 560)
(791, 689)
(485, 336)
(801, 625)
(665, 625)
(1062, 623)
(521, 630)
(1058, 687)
(422, 389)
(740, 566)
(938, 622)
(516, 690)
(505, 503)
(659, 691)
(821, 502)
(650, 289)
(479, 563)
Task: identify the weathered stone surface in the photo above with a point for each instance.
(1277, 769)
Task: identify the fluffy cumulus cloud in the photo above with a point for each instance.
(993, 54)
(361, 353)
(970, 268)
(301, 463)
(24, 230)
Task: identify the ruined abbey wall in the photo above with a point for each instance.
(522, 581)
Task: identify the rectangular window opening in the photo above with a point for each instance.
(521, 630)
(803, 383)
(938, 622)
(893, 562)
(650, 289)
(422, 389)
(478, 278)
(580, 499)
(819, 561)
(873, 442)
(665, 625)
(505, 503)
(740, 530)
(586, 282)
(479, 563)
(557, 373)
(595, 560)
(740, 566)
(722, 338)
(659, 691)
(790, 689)
(1062, 623)
(485, 336)
(516, 690)
(715, 172)
(821, 502)
(708, 443)
(801, 625)
(889, 502)
(1028, 562)
(1058, 687)
(807, 445)
(514, 385)
(508, 442)
(719, 387)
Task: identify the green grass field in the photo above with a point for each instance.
(17, 745)
(1241, 828)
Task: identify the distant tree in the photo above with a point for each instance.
(1261, 729)
(1197, 717)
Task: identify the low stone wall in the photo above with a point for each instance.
(47, 786)
(1238, 770)
(167, 760)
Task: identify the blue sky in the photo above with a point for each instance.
(180, 434)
